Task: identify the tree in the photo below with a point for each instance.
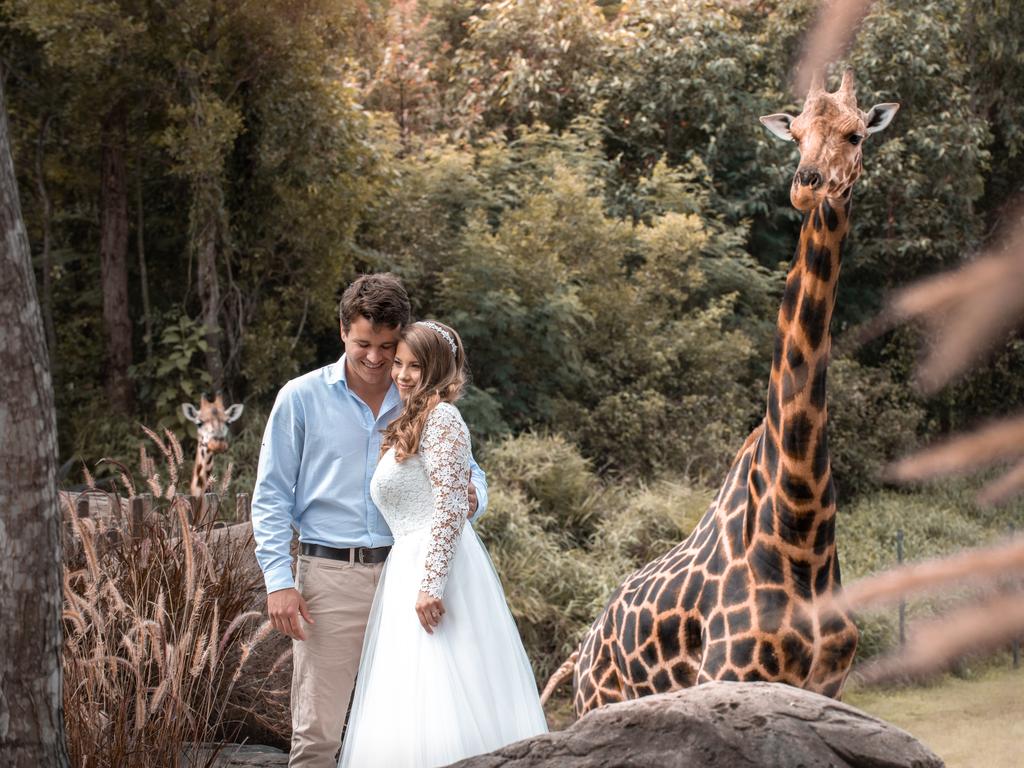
(92, 52)
(114, 256)
(31, 721)
(527, 62)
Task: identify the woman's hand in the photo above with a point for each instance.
(430, 609)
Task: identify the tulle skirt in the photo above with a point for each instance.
(429, 700)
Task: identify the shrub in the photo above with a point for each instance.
(641, 524)
(872, 420)
(554, 592)
(561, 540)
(550, 475)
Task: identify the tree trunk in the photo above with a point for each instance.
(47, 216)
(207, 223)
(140, 221)
(209, 295)
(31, 712)
(114, 259)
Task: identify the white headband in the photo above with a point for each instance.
(442, 333)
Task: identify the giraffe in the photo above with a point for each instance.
(211, 419)
(748, 595)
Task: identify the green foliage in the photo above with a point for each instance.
(640, 524)
(561, 540)
(678, 81)
(550, 472)
(245, 140)
(683, 402)
(175, 374)
(554, 593)
(872, 420)
(933, 158)
(525, 61)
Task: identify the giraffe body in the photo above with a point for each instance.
(211, 419)
(749, 595)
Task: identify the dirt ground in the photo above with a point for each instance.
(976, 723)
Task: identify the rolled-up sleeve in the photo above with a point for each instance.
(273, 501)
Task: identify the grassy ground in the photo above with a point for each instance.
(976, 723)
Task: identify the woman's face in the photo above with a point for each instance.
(405, 371)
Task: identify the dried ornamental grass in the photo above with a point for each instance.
(149, 622)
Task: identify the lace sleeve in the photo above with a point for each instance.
(444, 450)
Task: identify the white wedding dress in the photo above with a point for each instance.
(429, 700)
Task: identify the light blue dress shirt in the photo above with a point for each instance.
(319, 451)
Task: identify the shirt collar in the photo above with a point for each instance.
(336, 372)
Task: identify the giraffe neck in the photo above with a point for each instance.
(794, 455)
(201, 470)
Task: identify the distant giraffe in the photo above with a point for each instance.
(739, 599)
(211, 419)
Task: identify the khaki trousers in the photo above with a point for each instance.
(339, 596)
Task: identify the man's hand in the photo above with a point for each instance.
(284, 607)
(429, 609)
(474, 502)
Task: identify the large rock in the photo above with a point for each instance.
(733, 725)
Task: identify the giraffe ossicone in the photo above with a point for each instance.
(749, 595)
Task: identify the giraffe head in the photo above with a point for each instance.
(829, 133)
(212, 420)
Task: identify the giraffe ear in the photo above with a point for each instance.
(778, 124)
(880, 115)
(232, 413)
(191, 413)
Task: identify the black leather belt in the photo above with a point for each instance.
(362, 555)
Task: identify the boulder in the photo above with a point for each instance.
(733, 725)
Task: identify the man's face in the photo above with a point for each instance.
(369, 352)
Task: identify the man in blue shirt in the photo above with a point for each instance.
(319, 451)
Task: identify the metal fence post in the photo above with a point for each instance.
(1015, 646)
(903, 603)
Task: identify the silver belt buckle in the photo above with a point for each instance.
(361, 555)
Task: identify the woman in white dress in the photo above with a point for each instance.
(443, 675)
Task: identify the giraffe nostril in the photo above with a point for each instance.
(809, 178)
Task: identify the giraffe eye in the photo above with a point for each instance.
(855, 138)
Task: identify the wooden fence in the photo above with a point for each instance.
(110, 509)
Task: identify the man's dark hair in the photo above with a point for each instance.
(380, 298)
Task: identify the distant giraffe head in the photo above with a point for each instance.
(830, 133)
(212, 420)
